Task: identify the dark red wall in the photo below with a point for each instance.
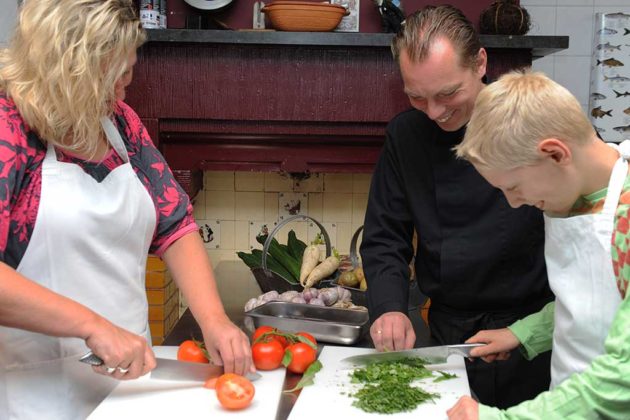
(238, 15)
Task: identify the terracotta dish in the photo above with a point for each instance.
(304, 16)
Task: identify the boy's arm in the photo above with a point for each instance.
(601, 391)
(535, 332)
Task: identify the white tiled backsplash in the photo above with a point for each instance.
(576, 19)
(236, 205)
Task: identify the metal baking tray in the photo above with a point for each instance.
(332, 325)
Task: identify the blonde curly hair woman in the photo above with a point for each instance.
(80, 179)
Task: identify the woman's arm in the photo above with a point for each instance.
(190, 266)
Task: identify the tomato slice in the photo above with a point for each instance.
(234, 392)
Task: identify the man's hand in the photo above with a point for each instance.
(499, 344)
(465, 409)
(392, 331)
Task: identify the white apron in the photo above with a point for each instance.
(579, 265)
(90, 243)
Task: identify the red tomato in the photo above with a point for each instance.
(234, 391)
(189, 351)
(267, 329)
(308, 337)
(301, 357)
(260, 331)
(267, 355)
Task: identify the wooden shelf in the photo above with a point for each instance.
(540, 45)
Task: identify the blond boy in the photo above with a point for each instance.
(529, 137)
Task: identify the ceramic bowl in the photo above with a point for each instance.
(303, 16)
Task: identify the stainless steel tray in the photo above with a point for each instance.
(332, 325)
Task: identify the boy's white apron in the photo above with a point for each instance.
(578, 257)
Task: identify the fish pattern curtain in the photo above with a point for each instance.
(609, 100)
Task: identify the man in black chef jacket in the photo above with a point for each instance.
(479, 261)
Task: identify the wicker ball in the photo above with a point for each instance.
(504, 17)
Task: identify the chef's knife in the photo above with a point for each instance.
(432, 355)
(176, 370)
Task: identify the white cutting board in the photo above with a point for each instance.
(332, 384)
(158, 399)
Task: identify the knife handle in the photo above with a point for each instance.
(91, 359)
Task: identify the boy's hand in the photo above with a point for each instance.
(499, 344)
(465, 409)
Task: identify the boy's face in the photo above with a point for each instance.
(544, 185)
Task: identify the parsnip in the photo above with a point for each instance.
(323, 270)
(310, 259)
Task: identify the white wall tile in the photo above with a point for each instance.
(271, 206)
(249, 205)
(359, 205)
(574, 74)
(241, 235)
(220, 205)
(338, 183)
(577, 23)
(228, 239)
(199, 205)
(543, 20)
(316, 206)
(606, 3)
(249, 181)
(337, 207)
(344, 235)
(277, 182)
(361, 183)
(546, 65)
(218, 181)
(574, 2)
(527, 3)
(8, 20)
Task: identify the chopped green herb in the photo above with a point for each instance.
(444, 376)
(387, 386)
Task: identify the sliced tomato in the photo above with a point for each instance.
(234, 392)
(298, 357)
(189, 351)
(267, 355)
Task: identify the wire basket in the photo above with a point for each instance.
(269, 280)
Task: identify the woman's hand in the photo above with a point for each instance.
(228, 345)
(499, 344)
(392, 331)
(127, 353)
(465, 409)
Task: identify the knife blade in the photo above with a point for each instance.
(432, 355)
(177, 370)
